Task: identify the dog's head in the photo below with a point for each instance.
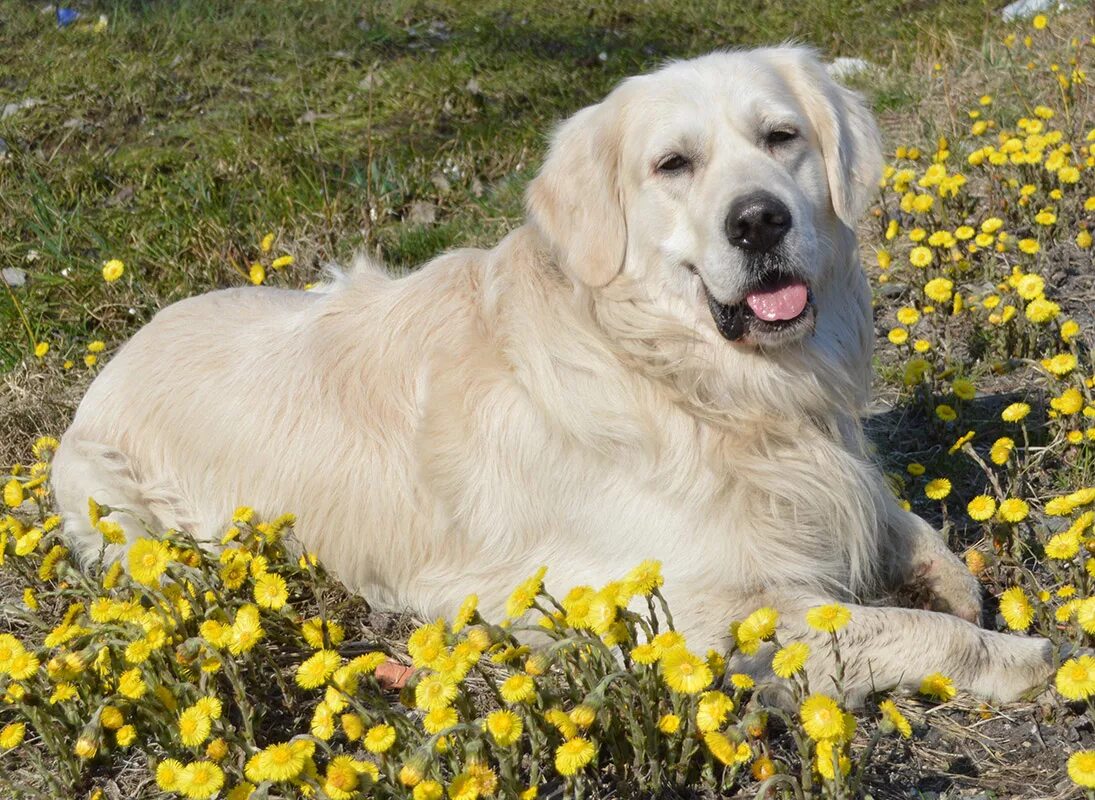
(718, 186)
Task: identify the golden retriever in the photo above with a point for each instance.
(667, 361)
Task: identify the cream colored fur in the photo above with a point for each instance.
(565, 398)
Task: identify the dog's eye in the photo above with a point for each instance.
(674, 163)
(780, 136)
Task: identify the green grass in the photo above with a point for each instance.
(180, 135)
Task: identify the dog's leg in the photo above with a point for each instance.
(887, 648)
(923, 567)
(83, 469)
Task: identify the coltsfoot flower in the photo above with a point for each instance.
(573, 755)
(828, 618)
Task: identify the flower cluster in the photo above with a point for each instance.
(968, 232)
(199, 657)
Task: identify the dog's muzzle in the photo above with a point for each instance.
(776, 309)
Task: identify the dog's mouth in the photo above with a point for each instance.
(777, 309)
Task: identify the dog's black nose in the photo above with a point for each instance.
(757, 222)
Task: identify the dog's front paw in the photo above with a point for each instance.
(1018, 668)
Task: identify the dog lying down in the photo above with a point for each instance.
(666, 361)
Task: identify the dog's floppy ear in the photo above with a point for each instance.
(575, 201)
(848, 135)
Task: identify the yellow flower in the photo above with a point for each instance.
(281, 262)
(1070, 402)
(893, 717)
(756, 628)
(938, 488)
(41, 349)
(645, 578)
(200, 780)
(1083, 239)
(148, 559)
(946, 412)
(828, 758)
(312, 631)
(1029, 246)
(410, 774)
(112, 270)
(466, 613)
(790, 659)
(1063, 546)
(167, 774)
(1061, 364)
(915, 468)
(525, 594)
(573, 755)
(505, 727)
(463, 787)
(724, 750)
(270, 591)
(669, 724)
(920, 256)
(1040, 310)
(1076, 678)
(518, 689)
(821, 717)
(1015, 412)
(1081, 768)
(964, 389)
(1016, 610)
(85, 748)
(939, 686)
(898, 336)
(266, 243)
(12, 735)
(112, 532)
(256, 274)
(279, 762)
(131, 684)
(939, 289)
(1039, 22)
(711, 711)
(194, 726)
(241, 791)
(981, 507)
(379, 738)
(1001, 450)
(316, 669)
(684, 672)
(341, 778)
(908, 316)
(217, 749)
(828, 618)
(429, 790)
(125, 735)
(741, 681)
(583, 715)
(427, 644)
(353, 726)
(13, 493)
(1014, 510)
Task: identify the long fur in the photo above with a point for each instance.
(565, 398)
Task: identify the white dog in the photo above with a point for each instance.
(666, 362)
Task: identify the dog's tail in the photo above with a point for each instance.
(363, 270)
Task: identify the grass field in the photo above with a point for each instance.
(181, 135)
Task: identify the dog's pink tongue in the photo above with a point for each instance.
(784, 303)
